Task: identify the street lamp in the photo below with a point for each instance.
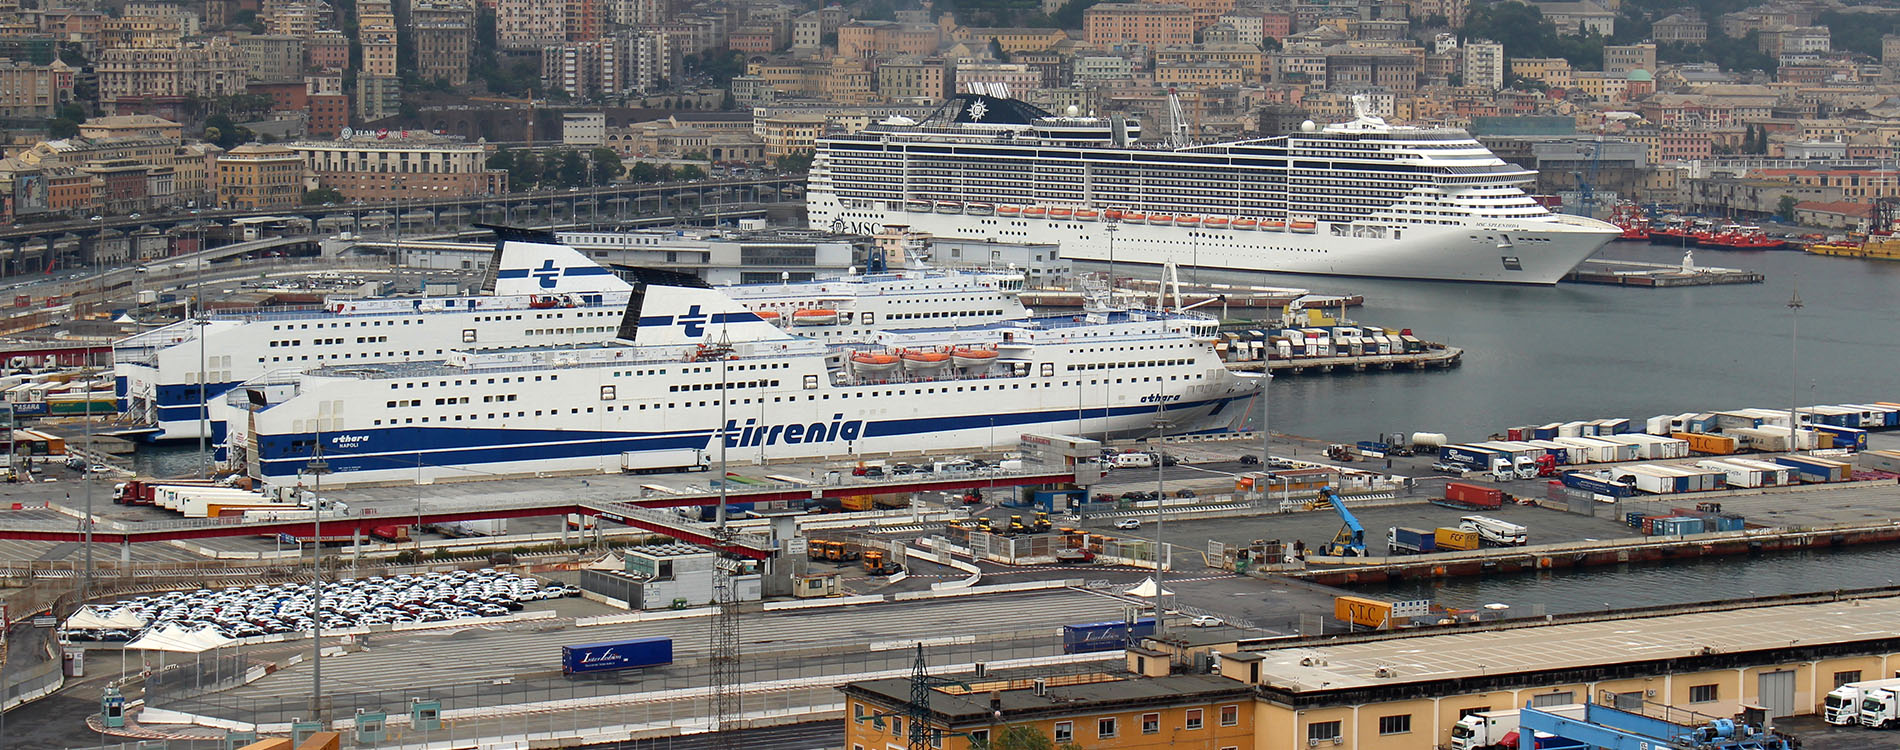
(1111, 229)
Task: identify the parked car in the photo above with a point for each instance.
(1206, 621)
(1128, 523)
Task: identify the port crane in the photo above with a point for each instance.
(1351, 539)
(1614, 729)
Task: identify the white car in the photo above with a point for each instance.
(1128, 523)
(1206, 621)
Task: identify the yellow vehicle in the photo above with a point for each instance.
(1016, 525)
(1042, 523)
(876, 564)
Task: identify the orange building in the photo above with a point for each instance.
(1101, 711)
(254, 176)
(1109, 24)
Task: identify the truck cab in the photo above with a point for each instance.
(1879, 708)
(1502, 469)
(1842, 706)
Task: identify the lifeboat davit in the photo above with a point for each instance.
(924, 360)
(1008, 210)
(965, 357)
(1061, 213)
(873, 361)
(1085, 214)
(1245, 223)
(1215, 222)
(815, 317)
(1034, 212)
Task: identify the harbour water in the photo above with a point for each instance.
(1653, 584)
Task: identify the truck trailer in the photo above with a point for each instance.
(1487, 729)
(612, 656)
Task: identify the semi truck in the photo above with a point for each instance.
(1105, 636)
(487, 527)
(1880, 707)
(1403, 541)
(1495, 533)
(612, 656)
(1487, 729)
(671, 459)
(1842, 706)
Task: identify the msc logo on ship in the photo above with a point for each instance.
(1160, 398)
(752, 434)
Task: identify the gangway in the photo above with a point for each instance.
(1614, 729)
(680, 527)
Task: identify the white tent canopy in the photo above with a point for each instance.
(170, 637)
(102, 618)
(1147, 589)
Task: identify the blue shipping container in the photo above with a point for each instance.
(613, 655)
(1598, 486)
(1844, 437)
(1104, 636)
(1465, 455)
(1546, 432)
(1810, 470)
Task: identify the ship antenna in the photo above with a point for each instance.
(1177, 121)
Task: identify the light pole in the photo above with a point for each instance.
(316, 468)
(396, 256)
(1266, 435)
(1794, 365)
(1111, 230)
(1161, 511)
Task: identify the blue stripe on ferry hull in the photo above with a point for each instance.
(401, 447)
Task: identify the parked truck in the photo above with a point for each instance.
(671, 459)
(1842, 706)
(486, 527)
(612, 656)
(1403, 541)
(1880, 707)
(1487, 729)
(1495, 533)
(390, 533)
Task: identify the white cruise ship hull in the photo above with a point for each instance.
(1538, 251)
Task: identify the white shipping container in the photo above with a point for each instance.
(1772, 439)
(1570, 454)
(1658, 425)
(1651, 480)
(1570, 429)
(1773, 474)
(1737, 475)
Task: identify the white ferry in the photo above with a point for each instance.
(1362, 198)
(659, 387)
(544, 295)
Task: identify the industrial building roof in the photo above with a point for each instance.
(1545, 648)
(1065, 695)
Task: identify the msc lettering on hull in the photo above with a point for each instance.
(752, 434)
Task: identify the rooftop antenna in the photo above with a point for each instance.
(1177, 121)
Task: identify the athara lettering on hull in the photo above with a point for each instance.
(751, 434)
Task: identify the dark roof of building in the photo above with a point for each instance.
(1020, 702)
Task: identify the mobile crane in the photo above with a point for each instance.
(1351, 539)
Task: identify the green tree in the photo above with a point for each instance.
(1025, 737)
(792, 163)
(321, 196)
(1784, 208)
(690, 172)
(1069, 16)
(606, 165)
(60, 127)
(643, 172)
(572, 169)
(525, 171)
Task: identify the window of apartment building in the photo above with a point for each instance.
(979, 738)
(1229, 716)
(1150, 723)
(1842, 678)
(1193, 718)
(1399, 724)
(857, 712)
(1065, 731)
(1553, 699)
(1105, 728)
(1703, 693)
(1324, 731)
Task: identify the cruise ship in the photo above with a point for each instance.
(545, 294)
(658, 388)
(1361, 198)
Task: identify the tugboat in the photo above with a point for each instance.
(1631, 219)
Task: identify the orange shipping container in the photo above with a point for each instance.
(1456, 540)
(1370, 613)
(855, 502)
(1702, 442)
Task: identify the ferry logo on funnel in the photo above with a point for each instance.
(547, 274)
(693, 321)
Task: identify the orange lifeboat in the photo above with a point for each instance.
(873, 361)
(1034, 212)
(769, 316)
(1134, 217)
(1275, 225)
(1245, 223)
(1008, 210)
(967, 357)
(1303, 225)
(1113, 214)
(924, 360)
(1085, 214)
(1215, 222)
(1161, 219)
(815, 317)
(1187, 221)
(1060, 213)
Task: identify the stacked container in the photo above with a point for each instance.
(1813, 469)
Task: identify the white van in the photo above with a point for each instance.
(1134, 461)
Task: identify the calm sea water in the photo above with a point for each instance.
(1576, 351)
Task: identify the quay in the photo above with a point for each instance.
(1442, 358)
(1657, 275)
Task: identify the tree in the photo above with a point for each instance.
(792, 163)
(1025, 737)
(573, 169)
(60, 127)
(322, 195)
(525, 171)
(690, 172)
(1784, 208)
(606, 165)
(643, 172)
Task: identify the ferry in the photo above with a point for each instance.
(1108, 373)
(545, 294)
(1360, 198)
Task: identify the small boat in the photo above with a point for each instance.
(949, 207)
(815, 317)
(978, 209)
(873, 361)
(967, 357)
(1215, 222)
(1245, 223)
(1085, 214)
(1273, 225)
(924, 360)
(1303, 225)
(1134, 217)
(1161, 219)
(1034, 212)
(1060, 213)
(1113, 214)
(1187, 221)
(921, 207)
(1008, 210)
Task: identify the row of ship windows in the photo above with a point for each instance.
(941, 314)
(775, 399)
(366, 355)
(331, 342)
(1121, 365)
(471, 381)
(366, 324)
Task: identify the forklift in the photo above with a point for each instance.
(875, 564)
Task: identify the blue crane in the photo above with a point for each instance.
(1613, 729)
(1351, 539)
(1587, 179)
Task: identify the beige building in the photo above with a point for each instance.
(273, 59)
(124, 126)
(912, 78)
(376, 28)
(1483, 64)
(34, 91)
(207, 70)
(292, 18)
(530, 24)
(422, 166)
(788, 134)
(444, 31)
(254, 176)
(142, 31)
(1623, 58)
(1552, 71)
(1110, 24)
